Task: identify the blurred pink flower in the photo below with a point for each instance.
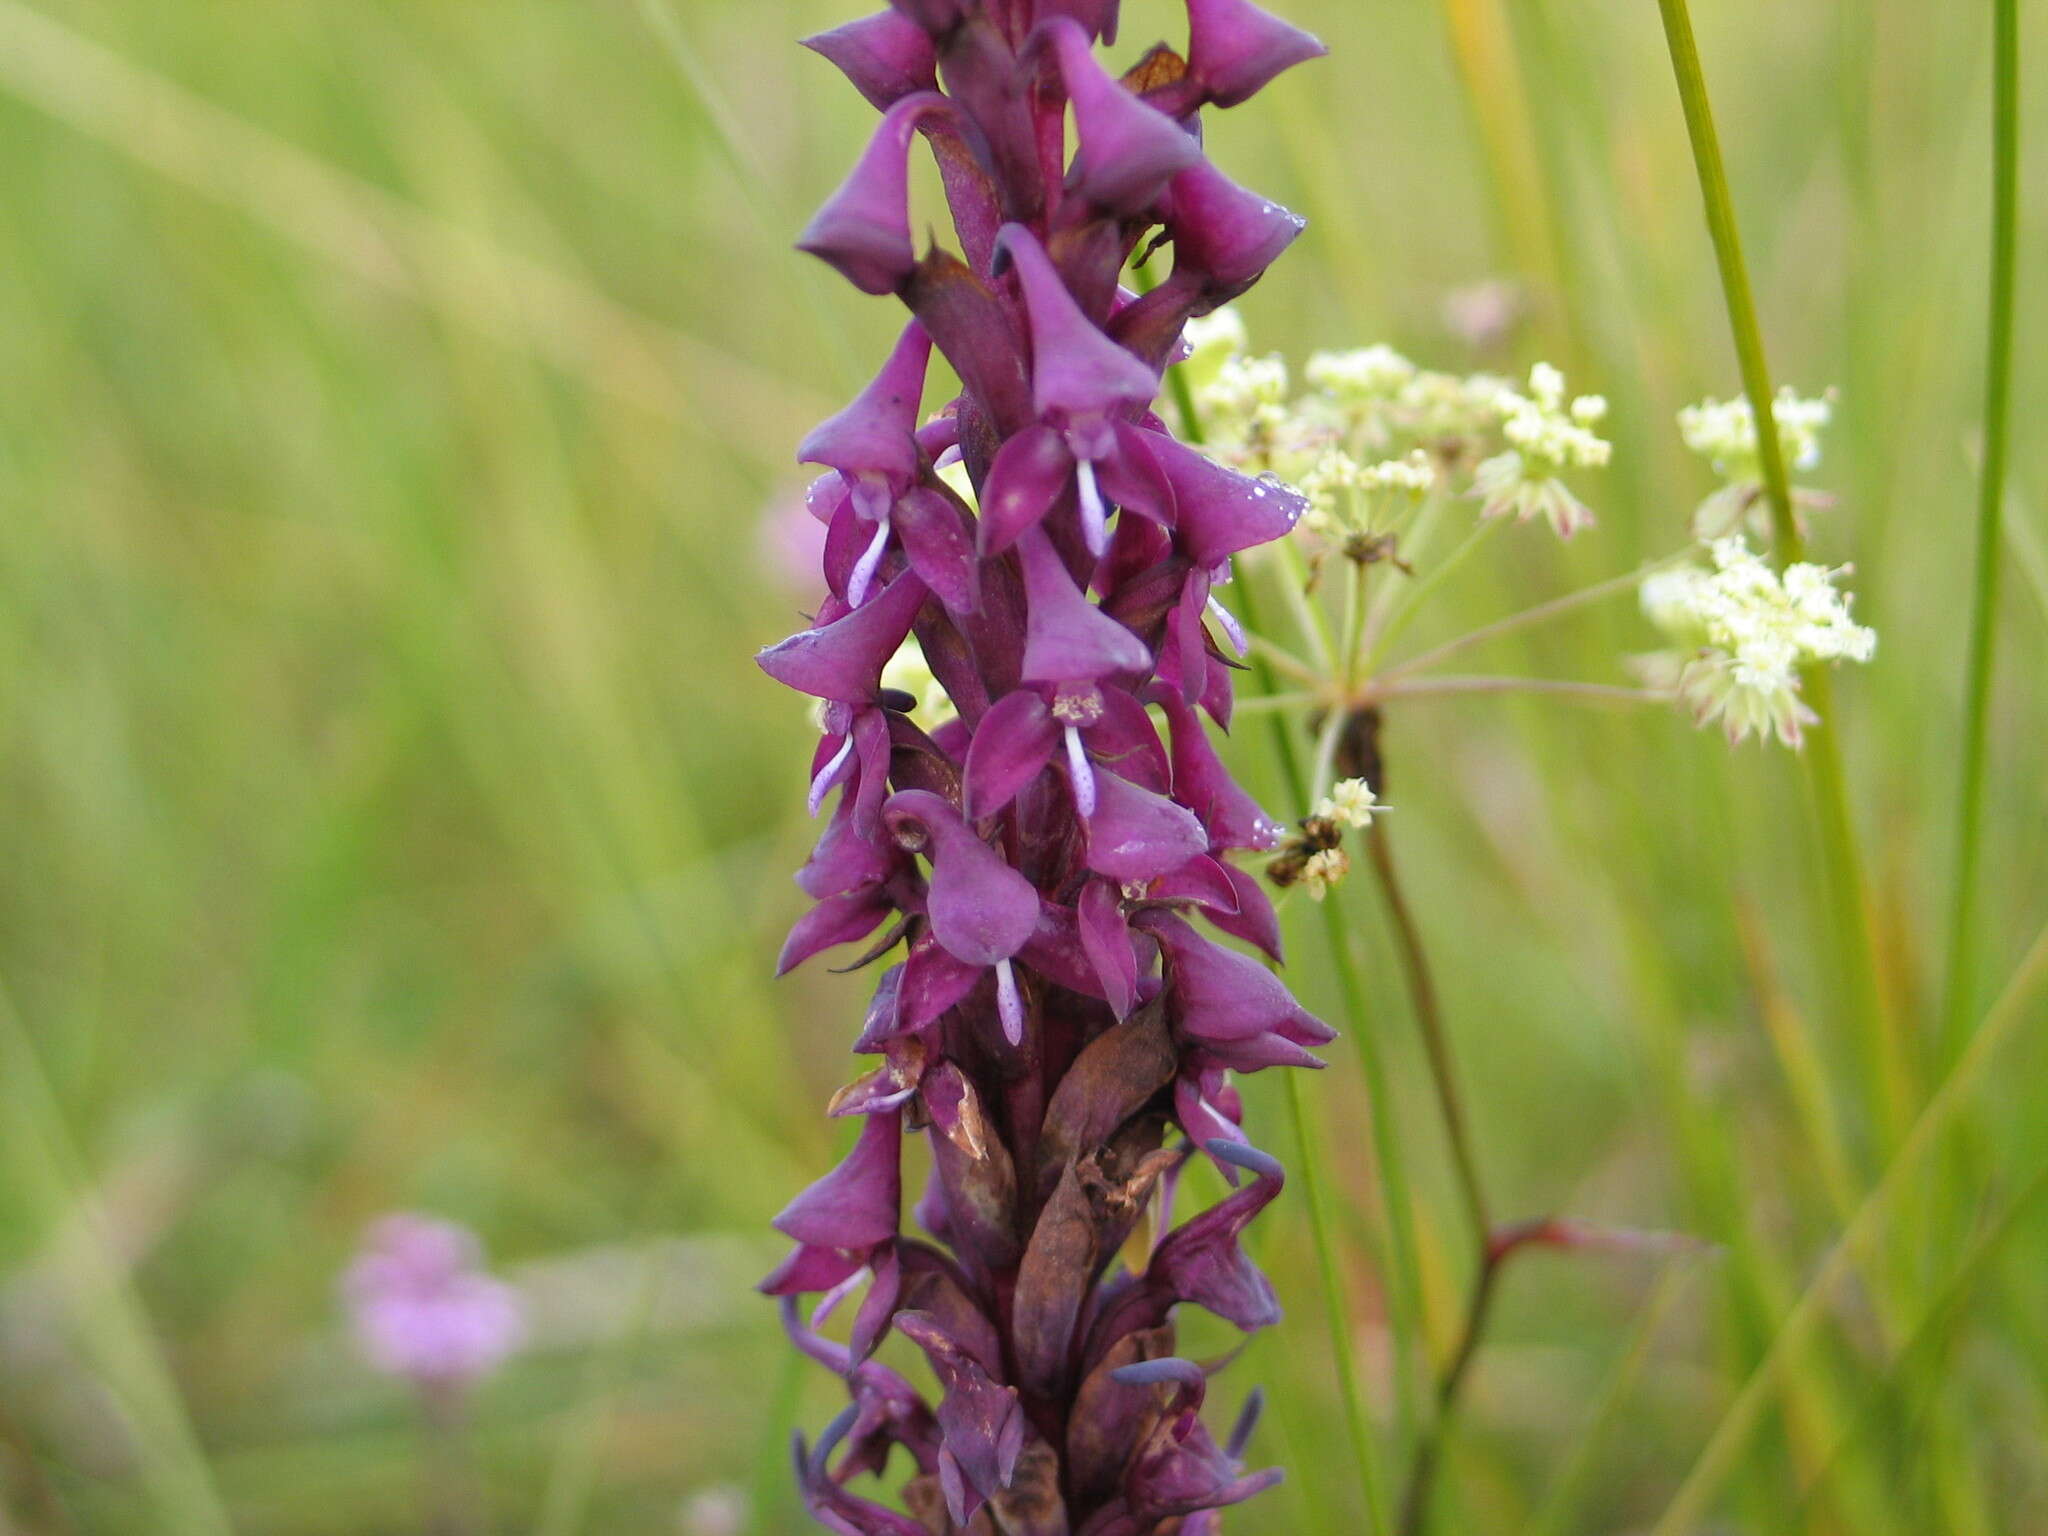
(423, 1307)
(790, 544)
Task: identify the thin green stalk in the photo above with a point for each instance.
(1886, 1082)
(1856, 1244)
(1364, 1452)
(2005, 156)
(1308, 1160)
(1543, 612)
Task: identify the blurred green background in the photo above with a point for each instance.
(394, 396)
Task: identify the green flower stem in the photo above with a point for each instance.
(1529, 618)
(1886, 1081)
(1403, 605)
(2005, 156)
(1401, 1284)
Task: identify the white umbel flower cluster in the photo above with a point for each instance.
(1546, 437)
(1723, 432)
(1350, 803)
(1745, 632)
(1323, 871)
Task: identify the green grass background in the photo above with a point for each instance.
(390, 393)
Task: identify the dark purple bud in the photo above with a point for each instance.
(886, 56)
(843, 659)
(1012, 745)
(1127, 150)
(830, 1503)
(1078, 375)
(857, 1204)
(1068, 638)
(873, 442)
(981, 1420)
(1137, 835)
(1111, 1081)
(1234, 48)
(864, 227)
(1225, 233)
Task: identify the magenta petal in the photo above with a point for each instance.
(1027, 477)
(877, 433)
(864, 227)
(940, 545)
(933, 981)
(1106, 938)
(1255, 921)
(835, 920)
(1077, 372)
(885, 55)
(1203, 1119)
(1218, 994)
(1219, 511)
(1067, 638)
(1203, 881)
(1056, 952)
(1137, 835)
(1190, 660)
(810, 1269)
(1202, 1262)
(1127, 150)
(857, 1204)
(843, 660)
(981, 910)
(981, 1420)
(843, 859)
(1227, 234)
(1012, 745)
(1204, 785)
(1131, 477)
(1234, 48)
(1125, 741)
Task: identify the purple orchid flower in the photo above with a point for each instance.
(1032, 871)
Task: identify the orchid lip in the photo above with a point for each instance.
(1081, 772)
(1094, 518)
(864, 569)
(1008, 1003)
(821, 786)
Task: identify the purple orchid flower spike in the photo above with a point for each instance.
(1027, 872)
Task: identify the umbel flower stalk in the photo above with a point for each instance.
(1040, 863)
